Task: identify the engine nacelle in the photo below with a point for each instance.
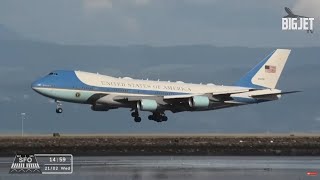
(199, 101)
(147, 105)
(99, 107)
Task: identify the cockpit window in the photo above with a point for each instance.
(50, 74)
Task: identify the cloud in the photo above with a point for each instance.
(131, 24)
(166, 67)
(51, 101)
(93, 5)
(317, 119)
(6, 99)
(10, 69)
(157, 22)
(26, 96)
(115, 12)
(307, 7)
(201, 2)
(142, 2)
(110, 72)
(97, 5)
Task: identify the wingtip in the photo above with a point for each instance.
(290, 92)
(284, 49)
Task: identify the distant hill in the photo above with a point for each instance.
(23, 61)
(8, 34)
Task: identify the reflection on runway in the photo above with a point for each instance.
(214, 162)
(184, 168)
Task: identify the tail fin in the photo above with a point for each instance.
(266, 74)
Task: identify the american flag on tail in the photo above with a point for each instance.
(270, 69)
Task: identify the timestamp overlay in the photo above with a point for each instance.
(55, 163)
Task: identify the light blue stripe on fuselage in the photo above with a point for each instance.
(63, 85)
(66, 94)
(69, 80)
(82, 95)
(121, 90)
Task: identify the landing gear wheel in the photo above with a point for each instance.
(135, 114)
(59, 110)
(164, 118)
(137, 119)
(158, 117)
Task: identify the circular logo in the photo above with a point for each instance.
(77, 94)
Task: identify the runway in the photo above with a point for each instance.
(181, 167)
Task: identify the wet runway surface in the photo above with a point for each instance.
(181, 167)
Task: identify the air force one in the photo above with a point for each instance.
(104, 93)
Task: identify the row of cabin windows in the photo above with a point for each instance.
(126, 90)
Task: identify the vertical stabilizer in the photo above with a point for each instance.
(267, 73)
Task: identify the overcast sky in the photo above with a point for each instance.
(159, 22)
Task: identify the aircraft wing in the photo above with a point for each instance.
(120, 98)
(215, 96)
(209, 94)
(176, 103)
(133, 98)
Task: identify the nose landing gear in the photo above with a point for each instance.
(58, 108)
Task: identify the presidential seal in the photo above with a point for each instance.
(78, 94)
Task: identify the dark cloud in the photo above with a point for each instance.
(111, 22)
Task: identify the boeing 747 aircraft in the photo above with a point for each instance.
(104, 93)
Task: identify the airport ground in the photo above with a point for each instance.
(180, 168)
(164, 144)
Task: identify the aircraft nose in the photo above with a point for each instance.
(36, 84)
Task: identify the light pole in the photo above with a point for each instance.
(22, 119)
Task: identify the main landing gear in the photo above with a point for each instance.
(158, 117)
(135, 114)
(58, 108)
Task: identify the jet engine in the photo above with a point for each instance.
(147, 105)
(199, 101)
